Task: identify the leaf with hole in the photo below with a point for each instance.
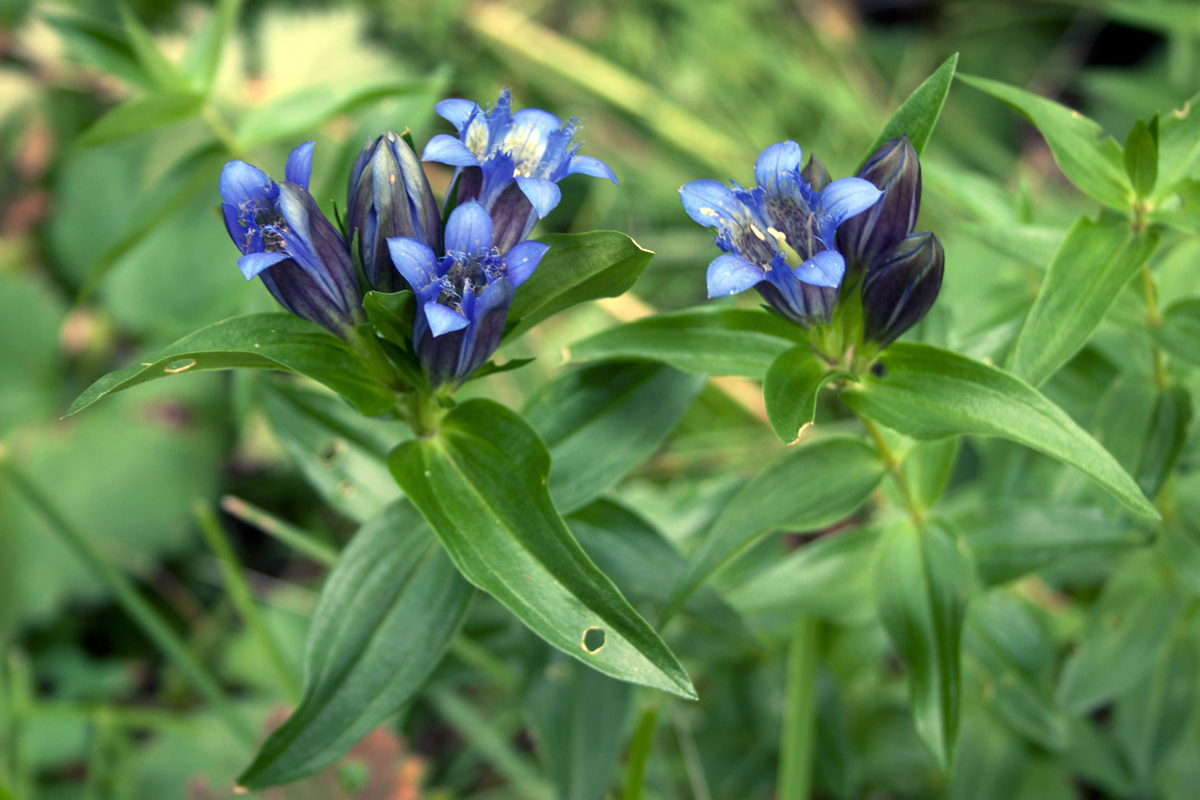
(481, 485)
(929, 393)
(257, 341)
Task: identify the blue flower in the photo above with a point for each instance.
(510, 162)
(389, 196)
(462, 298)
(779, 236)
(287, 242)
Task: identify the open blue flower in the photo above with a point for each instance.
(287, 242)
(779, 237)
(510, 162)
(462, 298)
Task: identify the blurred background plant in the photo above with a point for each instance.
(114, 123)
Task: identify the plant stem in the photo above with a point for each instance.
(893, 464)
(220, 128)
(299, 540)
(799, 715)
(639, 750)
(1154, 320)
(146, 617)
(243, 598)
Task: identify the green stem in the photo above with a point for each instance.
(473, 654)
(639, 751)
(243, 598)
(295, 538)
(149, 620)
(799, 716)
(894, 463)
(1154, 320)
(220, 128)
(422, 412)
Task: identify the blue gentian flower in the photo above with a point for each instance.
(510, 162)
(779, 237)
(287, 242)
(462, 298)
(389, 196)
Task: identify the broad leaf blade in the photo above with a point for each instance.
(921, 582)
(139, 115)
(578, 267)
(1090, 269)
(385, 617)
(263, 341)
(1096, 165)
(602, 421)
(790, 391)
(708, 341)
(481, 484)
(815, 485)
(919, 114)
(928, 393)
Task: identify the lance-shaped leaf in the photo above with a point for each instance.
(921, 585)
(1089, 270)
(1179, 333)
(815, 485)
(1144, 427)
(602, 421)
(1178, 145)
(262, 341)
(929, 393)
(790, 390)
(578, 267)
(919, 114)
(141, 114)
(481, 484)
(385, 617)
(1096, 165)
(708, 341)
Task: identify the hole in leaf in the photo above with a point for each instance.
(331, 451)
(176, 367)
(593, 639)
(878, 369)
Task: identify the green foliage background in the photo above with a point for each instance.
(1080, 662)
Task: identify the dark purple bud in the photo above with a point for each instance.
(390, 196)
(513, 217)
(815, 174)
(896, 170)
(901, 287)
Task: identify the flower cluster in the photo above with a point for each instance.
(508, 165)
(802, 239)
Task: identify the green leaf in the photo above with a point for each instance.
(579, 717)
(927, 469)
(1141, 158)
(790, 390)
(919, 114)
(481, 484)
(1179, 333)
(1090, 269)
(99, 45)
(827, 578)
(921, 584)
(602, 421)
(1151, 718)
(291, 115)
(263, 341)
(203, 56)
(1095, 165)
(1132, 619)
(1144, 427)
(1178, 145)
(153, 62)
(578, 267)
(643, 563)
(712, 340)
(386, 615)
(815, 485)
(928, 393)
(139, 115)
(1010, 540)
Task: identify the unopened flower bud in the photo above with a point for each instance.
(895, 169)
(815, 174)
(901, 287)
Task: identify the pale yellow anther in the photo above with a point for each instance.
(754, 229)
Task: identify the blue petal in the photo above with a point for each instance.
(244, 184)
(447, 149)
(254, 263)
(528, 133)
(826, 268)
(843, 199)
(443, 319)
(415, 261)
(522, 260)
(730, 274)
(776, 167)
(586, 165)
(543, 195)
(299, 164)
(711, 204)
(456, 111)
(469, 229)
